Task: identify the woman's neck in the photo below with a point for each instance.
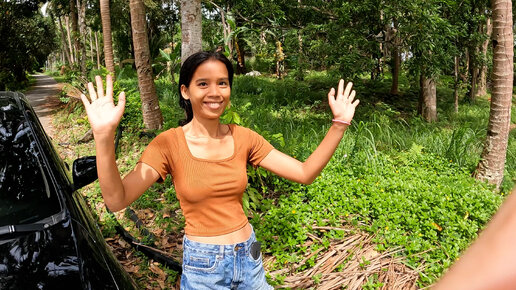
(204, 128)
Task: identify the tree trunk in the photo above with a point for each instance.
(105, 16)
(191, 28)
(91, 45)
(300, 57)
(396, 61)
(482, 85)
(240, 69)
(81, 17)
(456, 84)
(428, 98)
(492, 163)
(97, 50)
(75, 28)
(63, 41)
(240, 50)
(69, 34)
(152, 117)
(473, 73)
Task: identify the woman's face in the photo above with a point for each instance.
(209, 90)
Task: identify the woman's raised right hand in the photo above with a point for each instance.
(103, 115)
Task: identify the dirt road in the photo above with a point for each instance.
(43, 96)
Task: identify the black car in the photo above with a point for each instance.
(48, 236)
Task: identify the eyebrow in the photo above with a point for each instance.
(205, 80)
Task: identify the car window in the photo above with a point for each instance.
(27, 194)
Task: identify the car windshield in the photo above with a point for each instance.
(26, 193)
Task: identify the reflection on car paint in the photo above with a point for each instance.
(46, 255)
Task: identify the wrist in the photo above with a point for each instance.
(341, 122)
(103, 135)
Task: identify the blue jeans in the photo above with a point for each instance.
(209, 266)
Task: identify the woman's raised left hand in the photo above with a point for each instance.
(343, 104)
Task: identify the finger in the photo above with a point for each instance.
(100, 87)
(121, 104)
(352, 96)
(85, 101)
(331, 96)
(121, 100)
(348, 89)
(91, 90)
(356, 102)
(109, 86)
(340, 90)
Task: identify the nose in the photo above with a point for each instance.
(214, 90)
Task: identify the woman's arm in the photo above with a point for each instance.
(104, 117)
(490, 262)
(343, 109)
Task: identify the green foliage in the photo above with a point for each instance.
(27, 39)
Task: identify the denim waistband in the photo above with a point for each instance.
(221, 249)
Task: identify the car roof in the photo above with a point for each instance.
(13, 103)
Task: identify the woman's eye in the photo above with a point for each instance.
(203, 84)
(223, 83)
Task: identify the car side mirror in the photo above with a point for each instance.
(84, 171)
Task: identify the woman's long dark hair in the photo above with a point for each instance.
(188, 69)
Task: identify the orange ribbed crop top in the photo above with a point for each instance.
(209, 191)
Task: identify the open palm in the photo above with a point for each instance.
(103, 115)
(343, 104)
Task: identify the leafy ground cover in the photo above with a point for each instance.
(395, 176)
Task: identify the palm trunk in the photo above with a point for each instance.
(91, 45)
(482, 85)
(97, 50)
(396, 61)
(69, 34)
(81, 17)
(66, 52)
(428, 98)
(474, 81)
(492, 163)
(105, 16)
(152, 117)
(456, 84)
(191, 28)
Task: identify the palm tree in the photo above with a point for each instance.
(191, 28)
(152, 117)
(492, 163)
(105, 16)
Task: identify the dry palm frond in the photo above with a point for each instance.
(350, 262)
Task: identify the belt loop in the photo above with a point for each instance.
(221, 250)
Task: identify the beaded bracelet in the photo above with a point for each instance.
(342, 122)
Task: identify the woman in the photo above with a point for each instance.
(207, 161)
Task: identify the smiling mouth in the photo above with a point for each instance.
(213, 105)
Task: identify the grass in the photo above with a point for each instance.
(404, 180)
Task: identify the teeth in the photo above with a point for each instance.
(213, 105)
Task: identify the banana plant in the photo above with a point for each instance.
(170, 62)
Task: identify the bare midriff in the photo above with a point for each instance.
(238, 236)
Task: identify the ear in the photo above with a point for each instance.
(184, 92)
